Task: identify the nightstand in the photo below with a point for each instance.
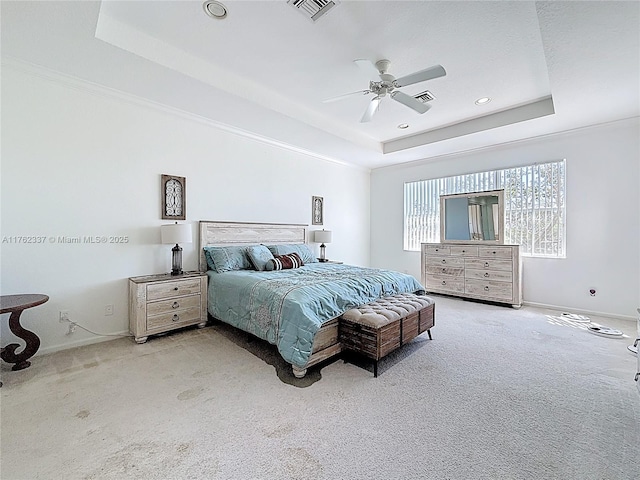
(160, 303)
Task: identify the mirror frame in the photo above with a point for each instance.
(488, 193)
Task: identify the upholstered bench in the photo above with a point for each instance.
(378, 328)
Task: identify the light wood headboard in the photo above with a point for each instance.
(244, 233)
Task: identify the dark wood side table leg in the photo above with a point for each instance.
(32, 344)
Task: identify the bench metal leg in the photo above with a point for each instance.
(429, 333)
(375, 369)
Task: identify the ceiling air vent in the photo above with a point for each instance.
(425, 96)
(312, 9)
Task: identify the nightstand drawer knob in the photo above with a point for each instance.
(175, 305)
(486, 274)
(444, 282)
(486, 288)
(486, 264)
(175, 288)
(176, 317)
(444, 261)
(444, 270)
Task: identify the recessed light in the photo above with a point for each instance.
(215, 9)
(483, 100)
(403, 126)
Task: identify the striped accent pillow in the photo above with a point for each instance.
(284, 262)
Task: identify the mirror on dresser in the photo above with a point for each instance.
(472, 217)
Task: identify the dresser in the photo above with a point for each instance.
(160, 303)
(484, 272)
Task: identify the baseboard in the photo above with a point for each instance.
(82, 343)
(628, 318)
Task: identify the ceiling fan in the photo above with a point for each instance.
(383, 84)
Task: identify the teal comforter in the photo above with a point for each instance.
(287, 307)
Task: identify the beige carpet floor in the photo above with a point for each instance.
(497, 394)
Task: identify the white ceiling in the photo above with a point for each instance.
(266, 69)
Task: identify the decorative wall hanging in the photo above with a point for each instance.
(317, 210)
(174, 197)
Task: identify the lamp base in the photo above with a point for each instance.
(323, 260)
(176, 260)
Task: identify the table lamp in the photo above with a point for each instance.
(322, 237)
(176, 233)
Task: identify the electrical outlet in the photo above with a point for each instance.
(64, 316)
(108, 310)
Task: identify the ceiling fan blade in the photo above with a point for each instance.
(340, 97)
(368, 68)
(410, 102)
(371, 109)
(421, 76)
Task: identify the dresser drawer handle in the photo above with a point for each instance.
(494, 252)
(486, 288)
(176, 317)
(175, 305)
(486, 264)
(175, 288)
(444, 260)
(444, 282)
(486, 274)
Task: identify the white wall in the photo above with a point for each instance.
(78, 160)
(603, 215)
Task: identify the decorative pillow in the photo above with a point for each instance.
(284, 262)
(302, 249)
(259, 255)
(226, 259)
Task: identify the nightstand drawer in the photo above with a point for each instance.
(173, 305)
(173, 318)
(172, 289)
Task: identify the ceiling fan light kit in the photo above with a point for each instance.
(382, 84)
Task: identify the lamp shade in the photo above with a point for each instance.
(322, 236)
(176, 233)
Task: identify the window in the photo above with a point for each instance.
(534, 204)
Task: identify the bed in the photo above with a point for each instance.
(296, 309)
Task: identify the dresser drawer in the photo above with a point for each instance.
(163, 290)
(489, 289)
(173, 318)
(443, 283)
(445, 270)
(445, 261)
(173, 305)
(435, 249)
(496, 275)
(464, 251)
(495, 252)
(488, 264)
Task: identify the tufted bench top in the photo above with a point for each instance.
(385, 310)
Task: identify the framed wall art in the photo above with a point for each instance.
(174, 197)
(317, 210)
